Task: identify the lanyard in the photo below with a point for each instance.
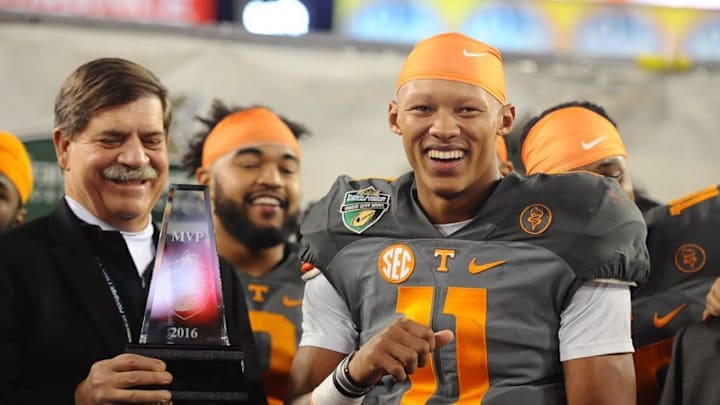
(118, 302)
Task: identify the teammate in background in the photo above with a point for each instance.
(690, 377)
(581, 136)
(505, 166)
(16, 180)
(685, 260)
(712, 300)
(572, 137)
(250, 159)
(452, 284)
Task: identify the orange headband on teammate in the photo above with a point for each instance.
(456, 57)
(255, 126)
(569, 138)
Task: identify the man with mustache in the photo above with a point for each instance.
(73, 284)
(250, 160)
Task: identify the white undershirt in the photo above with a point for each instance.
(139, 244)
(596, 322)
(451, 228)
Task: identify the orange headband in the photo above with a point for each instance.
(255, 126)
(569, 138)
(501, 148)
(15, 164)
(456, 57)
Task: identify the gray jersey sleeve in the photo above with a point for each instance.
(596, 229)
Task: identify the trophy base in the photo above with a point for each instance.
(201, 374)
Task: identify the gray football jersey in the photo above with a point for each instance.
(684, 246)
(499, 284)
(275, 310)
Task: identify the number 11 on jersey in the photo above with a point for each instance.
(469, 307)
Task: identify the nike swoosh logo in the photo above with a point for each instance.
(474, 54)
(475, 268)
(592, 144)
(661, 322)
(291, 303)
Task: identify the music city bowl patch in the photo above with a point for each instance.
(363, 208)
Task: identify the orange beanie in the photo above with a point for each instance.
(456, 57)
(569, 138)
(15, 164)
(251, 127)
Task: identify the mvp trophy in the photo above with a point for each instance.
(184, 323)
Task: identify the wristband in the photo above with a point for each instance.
(327, 393)
(344, 383)
(346, 371)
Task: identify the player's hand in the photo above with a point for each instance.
(712, 301)
(112, 381)
(398, 350)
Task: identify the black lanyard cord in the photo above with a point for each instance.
(118, 302)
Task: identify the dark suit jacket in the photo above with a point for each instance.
(57, 315)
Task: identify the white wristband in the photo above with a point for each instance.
(327, 394)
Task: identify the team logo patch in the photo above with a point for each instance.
(362, 209)
(690, 258)
(535, 219)
(396, 263)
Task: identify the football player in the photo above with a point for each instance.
(453, 284)
(683, 245)
(250, 160)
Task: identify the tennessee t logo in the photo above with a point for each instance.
(258, 291)
(444, 254)
(475, 268)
